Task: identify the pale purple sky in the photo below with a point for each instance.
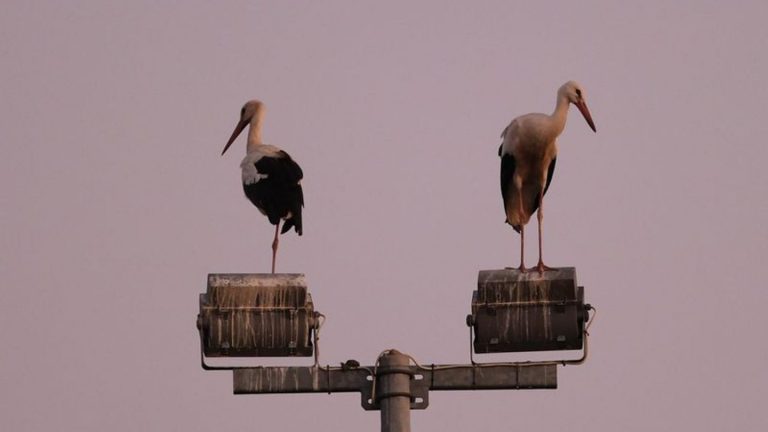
(115, 204)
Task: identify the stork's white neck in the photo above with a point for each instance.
(560, 115)
(254, 133)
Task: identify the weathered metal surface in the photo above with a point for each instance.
(438, 377)
(256, 315)
(394, 392)
(257, 290)
(495, 378)
(514, 311)
(299, 379)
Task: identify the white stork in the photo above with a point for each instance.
(528, 154)
(271, 179)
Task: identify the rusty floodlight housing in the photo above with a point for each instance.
(256, 315)
(514, 311)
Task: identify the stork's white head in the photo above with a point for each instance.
(251, 109)
(574, 93)
(251, 113)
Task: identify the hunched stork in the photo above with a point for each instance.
(271, 178)
(528, 154)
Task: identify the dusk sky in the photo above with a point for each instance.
(115, 203)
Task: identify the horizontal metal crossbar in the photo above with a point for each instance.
(313, 379)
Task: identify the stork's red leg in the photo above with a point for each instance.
(522, 233)
(274, 246)
(522, 248)
(540, 216)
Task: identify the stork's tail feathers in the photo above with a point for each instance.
(287, 225)
(514, 227)
(293, 222)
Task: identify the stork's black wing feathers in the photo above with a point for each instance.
(507, 173)
(550, 172)
(281, 168)
(295, 219)
(279, 192)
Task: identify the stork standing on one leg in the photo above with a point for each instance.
(528, 153)
(271, 179)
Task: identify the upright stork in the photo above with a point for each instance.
(528, 154)
(271, 179)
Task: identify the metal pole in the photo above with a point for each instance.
(393, 380)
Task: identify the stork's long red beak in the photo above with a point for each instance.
(239, 128)
(585, 112)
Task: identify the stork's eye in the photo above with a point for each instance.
(578, 92)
